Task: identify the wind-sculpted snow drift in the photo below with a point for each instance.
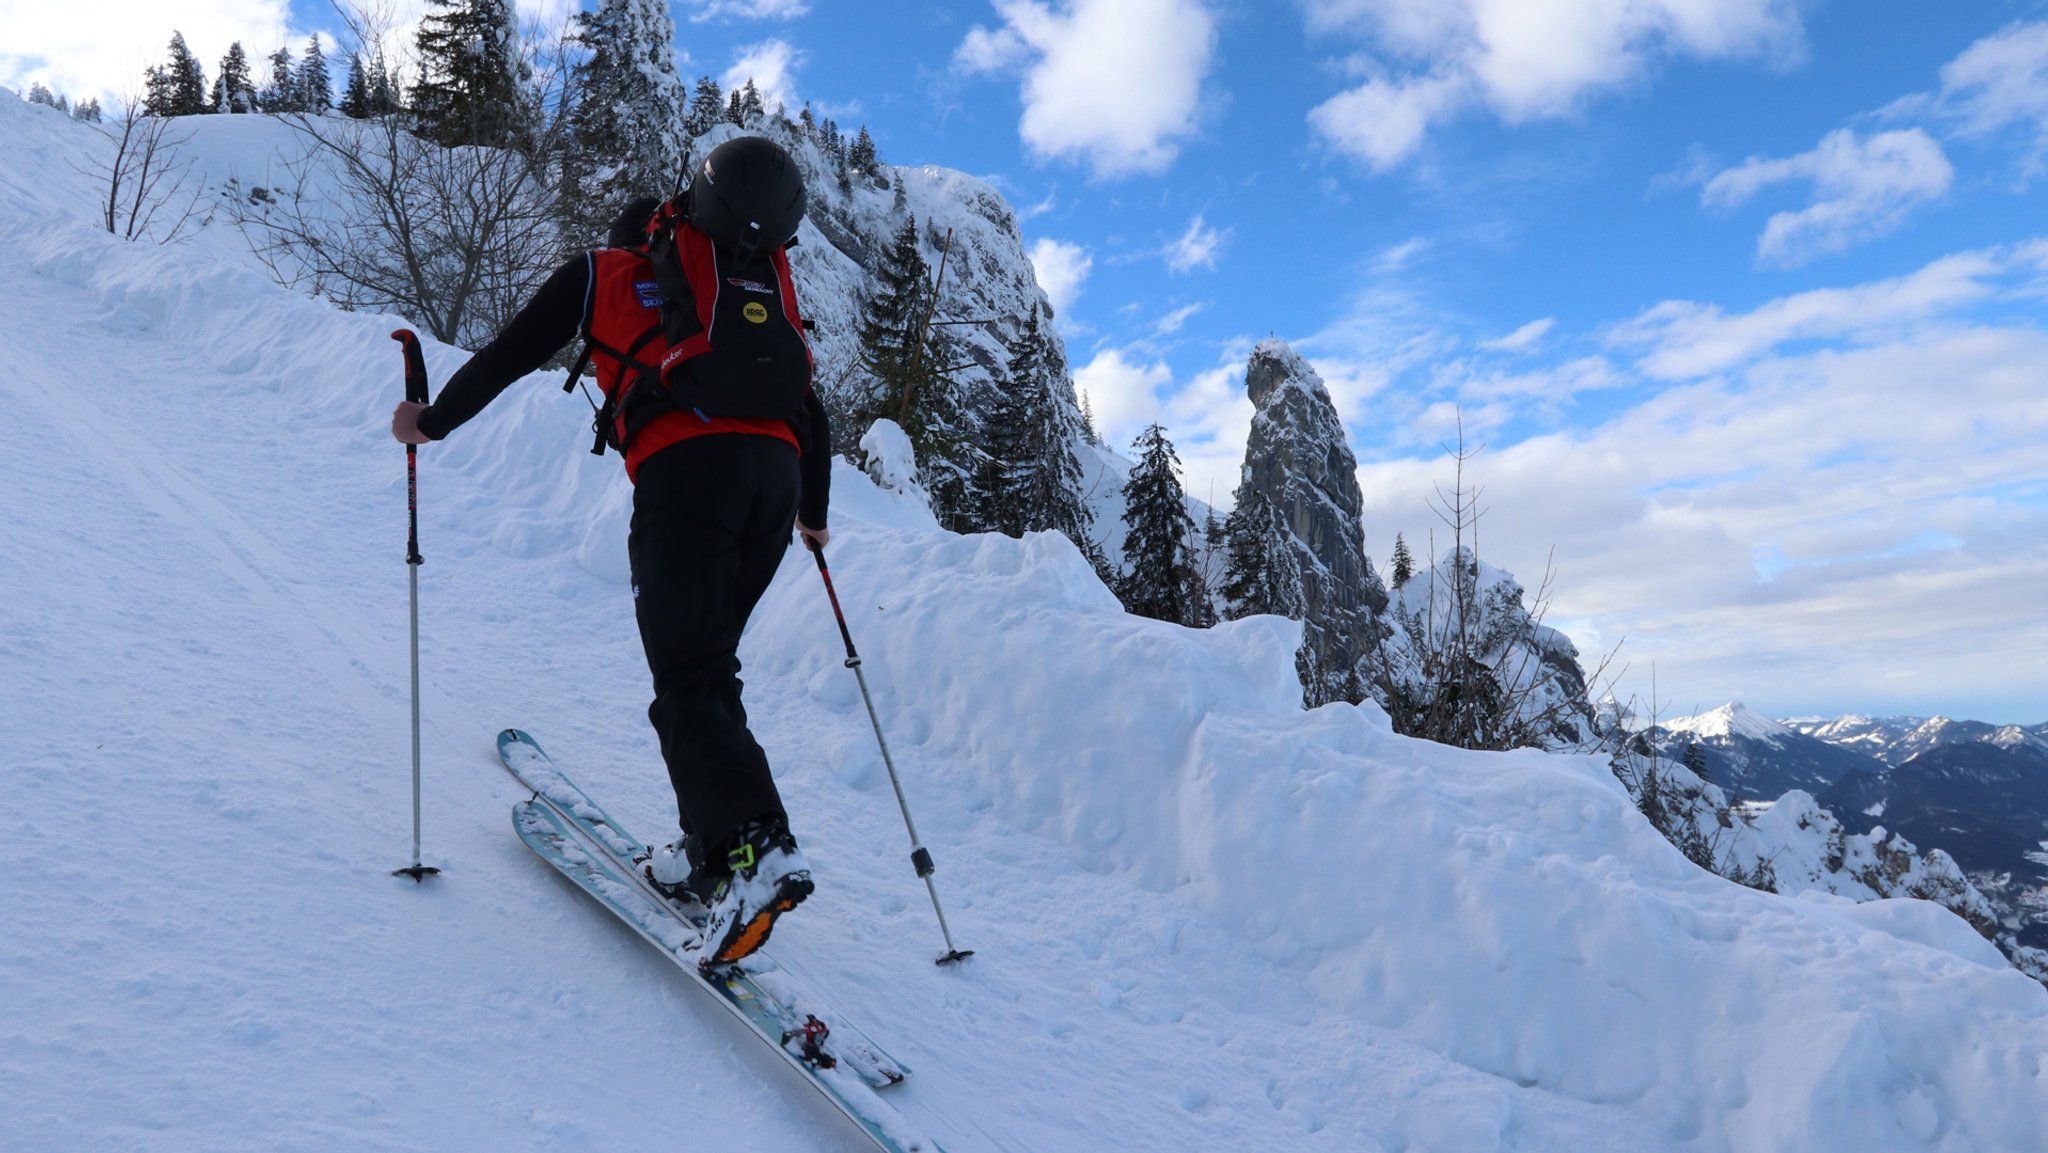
(1205, 919)
(1511, 910)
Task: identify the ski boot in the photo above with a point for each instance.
(769, 877)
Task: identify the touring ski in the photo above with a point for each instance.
(562, 825)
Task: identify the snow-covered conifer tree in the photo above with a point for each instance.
(1038, 480)
(1696, 761)
(281, 94)
(905, 380)
(178, 86)
(1402, 567)
(625, 132)
(471, 74)
(892, 320)
(312, 86)
(1160, 579)
(861, 158)
(1001, 507)
(384, 89)
(707, 107)
(1263, 575)
(355, 94)
(232, 89)
(188, 81)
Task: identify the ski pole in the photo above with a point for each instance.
(416, 393)
(920, 857)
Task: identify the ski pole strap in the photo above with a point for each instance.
(576, 373)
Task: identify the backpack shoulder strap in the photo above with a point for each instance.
(605, 419)
(678, 300)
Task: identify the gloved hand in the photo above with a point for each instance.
(405, 423)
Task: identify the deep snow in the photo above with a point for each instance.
(1203, 918)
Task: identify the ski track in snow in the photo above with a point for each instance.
(204, 664)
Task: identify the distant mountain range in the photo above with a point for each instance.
(1977, 791)
(1753, 757)
(1896, 740)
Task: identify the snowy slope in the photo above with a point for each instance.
(1205, 920)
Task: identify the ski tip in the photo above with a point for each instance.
(515, 737)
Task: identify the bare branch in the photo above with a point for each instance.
(455, 239)
(147, 195)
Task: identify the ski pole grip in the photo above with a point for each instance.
(415, 366)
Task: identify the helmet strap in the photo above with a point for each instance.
(749, 244)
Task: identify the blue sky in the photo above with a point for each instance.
(1744, 298)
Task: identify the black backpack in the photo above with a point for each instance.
(751, 360)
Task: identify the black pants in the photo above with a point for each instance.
(711, 520)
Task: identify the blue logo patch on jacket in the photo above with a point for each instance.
(650, 293)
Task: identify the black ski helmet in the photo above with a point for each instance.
(748, 196)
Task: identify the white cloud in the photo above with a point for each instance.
(1114, 83)
(1382, 122)
(1208, 417)
(772, 66)
(2000, 80)
(703, 10)
(1842, 463)
(1125, 395)
(1029, 212)
(1684, 339)
(1877, 442)
(1060, 268)
(1862, 188)
(1523, 338)
(1399, 256)
(1354, 383)
(1198, 247)
(104, 56)
(992, 50)
(1174, 321)
(1523, 59)
(1211, 421)
(1544, 388)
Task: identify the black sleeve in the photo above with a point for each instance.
(816, 463)
(549, 321)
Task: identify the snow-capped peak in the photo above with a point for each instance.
(1288, 369)
(1733, 719)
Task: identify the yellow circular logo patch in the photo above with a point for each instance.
(758, 313)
